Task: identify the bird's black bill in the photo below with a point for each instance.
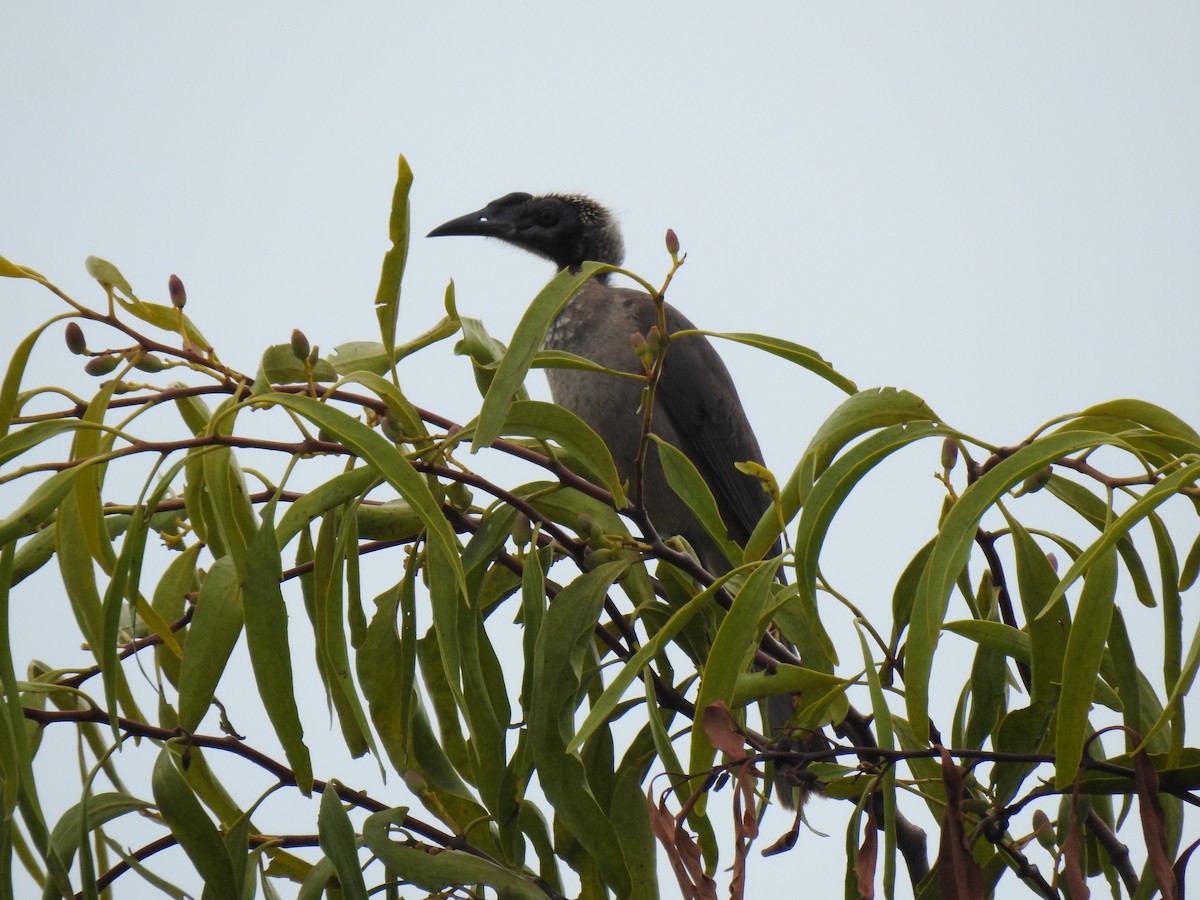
(476, 224)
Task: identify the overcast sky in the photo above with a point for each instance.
(997, 208)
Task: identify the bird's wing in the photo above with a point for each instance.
(697, 396)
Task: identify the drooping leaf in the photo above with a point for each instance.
(1081, 665)
(337, 839)
(266, 621)
(216, 626)
(444, 869)
(955, 538)
(193, 829)
(510, 375)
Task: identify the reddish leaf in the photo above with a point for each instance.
(959, 876)
(1153, 826)
(1180, 867)
(868, 857)
(1073, 853)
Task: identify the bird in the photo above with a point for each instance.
(696, 406)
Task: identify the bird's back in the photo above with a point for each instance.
(697, 409)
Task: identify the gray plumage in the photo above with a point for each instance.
(696, 407)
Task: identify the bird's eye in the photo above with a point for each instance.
(547, 216)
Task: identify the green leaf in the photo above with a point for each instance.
(39, 504)
(1139, 510)
(399, 406)
(383, 456)
(336, 836)
(10, 388)
(1096, 511)
(801, 356)
(231, 506)
(266, 622)
(1047, 636)
(564, 644)
(12, 270)
(334, 546)
(1148, 414)
(953, 548)
(107, 274)
(279, 365)
(548, 422)
(993, 635)
(166, 318)
(215, 629)
(193, 829)
(865, 411)
(632, 824)
(619, 682)
(114, 599)
(97, 809)
(884, 733)
(561, 359)
(485, 353)
(338, 491)
(88, 445)
(372, 356)
(1081, 665)
(687, 482)
(1183, 684)
(387, 296)
(527, 339)
(1191, 566)
(827, 496)
(179, 579)
(484, 704)
(732, 649)
(386, 665)
(448, 868)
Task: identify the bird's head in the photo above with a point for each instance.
(566, 229)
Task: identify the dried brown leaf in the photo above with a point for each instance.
(722, 730)
(682, 852)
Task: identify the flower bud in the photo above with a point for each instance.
(300, 346)
(1043, 830)
(147, 362)
(654, 341)
(641, 350)
(949, 454)
(101, 365)
(459, 495)
(393, 428)
(1036, 481)
(178, 294)
(672, 242)
(1053, 560)
(522, 530)
(76, 342)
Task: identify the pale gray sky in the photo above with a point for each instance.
(996, 207)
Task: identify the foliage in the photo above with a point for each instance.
(565, 745)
